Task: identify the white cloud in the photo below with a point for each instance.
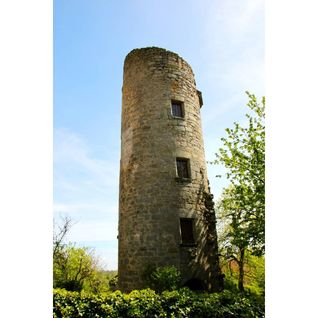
(91, 231)
(233, 60)
(73, 209)
(84, 185)
(86, 191)
(70, 149)
(237, 17)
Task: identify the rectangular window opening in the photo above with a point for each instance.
(183, 168)
(177, 109)
(187, 231)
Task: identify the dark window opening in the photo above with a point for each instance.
(177, 109)
(187, 235)
(183, 168)
(195, 284)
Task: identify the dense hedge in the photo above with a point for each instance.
(146, 303)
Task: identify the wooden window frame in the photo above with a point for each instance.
(181, 105)
(188, 168)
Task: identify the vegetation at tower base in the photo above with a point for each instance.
(147, 303)
(167, 301)
(162, 278)
(241, 208)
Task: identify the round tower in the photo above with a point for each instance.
(166, 214)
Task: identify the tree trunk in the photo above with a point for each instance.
(241, 270)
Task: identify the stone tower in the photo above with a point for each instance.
(166, 214)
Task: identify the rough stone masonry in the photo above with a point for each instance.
(166, 214)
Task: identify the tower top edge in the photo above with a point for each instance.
(154, 50)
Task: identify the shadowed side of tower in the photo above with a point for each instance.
(166, 214)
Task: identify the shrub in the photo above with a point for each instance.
(162, 278)
(147, 303)
(113, 283)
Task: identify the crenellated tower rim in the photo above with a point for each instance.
(153, 50)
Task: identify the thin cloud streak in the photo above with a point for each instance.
(235, 62)
(70, 149)
(73, 209)
(90, 231)
(234, 39)
(85, 190)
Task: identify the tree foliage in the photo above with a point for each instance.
(243, 155)
(241, 208)
(245, 273)
(74, 266)
(77, 268)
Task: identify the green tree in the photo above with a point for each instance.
(233, 237)
(238, 264)
(73, 267)
(76, 268)
(243, 155)
(241, 208)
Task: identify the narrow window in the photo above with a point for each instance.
(186, 227)
(177, 109)
(183, 168)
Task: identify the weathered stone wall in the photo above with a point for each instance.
(152, 198)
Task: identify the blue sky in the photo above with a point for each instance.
(223, 41)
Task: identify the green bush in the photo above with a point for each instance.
(147, 303)
(113, 283)
(162, 278)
